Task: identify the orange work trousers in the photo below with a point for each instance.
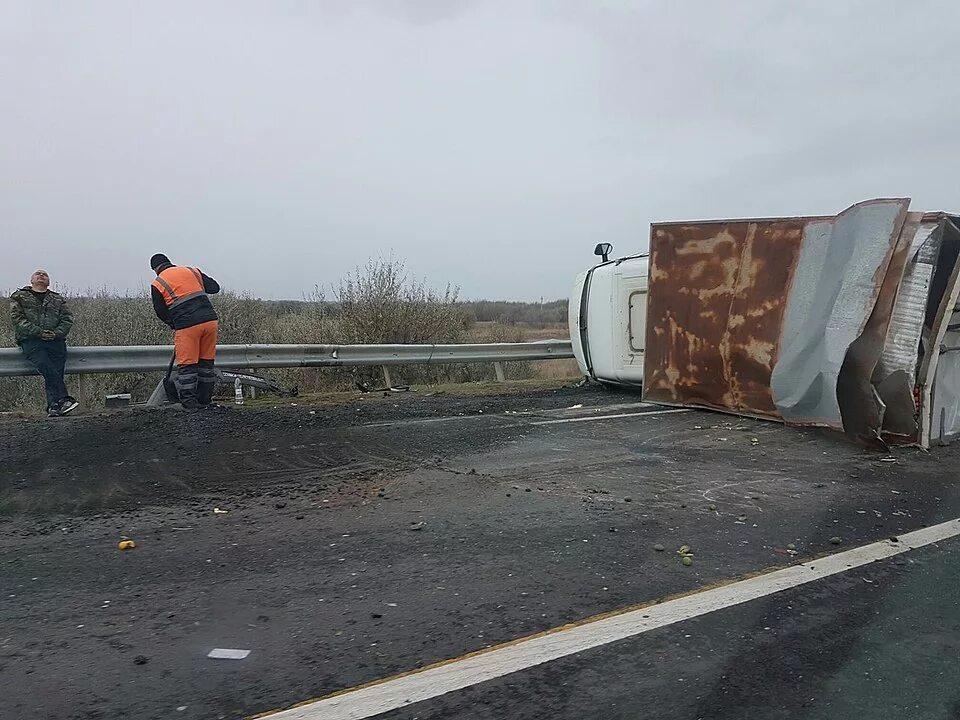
(196, 343)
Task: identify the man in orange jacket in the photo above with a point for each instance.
(180, 300)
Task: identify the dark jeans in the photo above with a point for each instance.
(49, 357)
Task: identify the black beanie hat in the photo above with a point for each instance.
(158, 260)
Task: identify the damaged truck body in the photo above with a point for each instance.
(848, 322)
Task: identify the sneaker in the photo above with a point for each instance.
(67, 405)
(53, 411)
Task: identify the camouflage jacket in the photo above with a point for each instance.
(31, 316)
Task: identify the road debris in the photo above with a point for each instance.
(228, 654)
(836, 540)
(659, 548)
(218, 511)
(126, 545)
(418, 526)
(686, 555)
(141, 660)
(687, 560)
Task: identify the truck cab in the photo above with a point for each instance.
(608, 318)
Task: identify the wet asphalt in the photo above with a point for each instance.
(359, 543)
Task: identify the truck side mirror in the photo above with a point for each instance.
(603, 250)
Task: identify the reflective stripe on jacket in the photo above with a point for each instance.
(182, 291)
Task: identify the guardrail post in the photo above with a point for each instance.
(498, 368)
(386, 376)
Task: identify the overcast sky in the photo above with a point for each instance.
(490, 144)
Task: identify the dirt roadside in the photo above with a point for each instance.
(137, 457)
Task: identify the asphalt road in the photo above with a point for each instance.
(377, 537)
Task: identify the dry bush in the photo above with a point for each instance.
(381, 304)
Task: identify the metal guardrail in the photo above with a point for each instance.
(152, 358)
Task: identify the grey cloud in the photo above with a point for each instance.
(489, 143)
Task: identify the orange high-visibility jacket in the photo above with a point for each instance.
(184, 294)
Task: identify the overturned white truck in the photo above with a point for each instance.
(848, 321)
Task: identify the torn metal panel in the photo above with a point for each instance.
(840, 270)
(896, 372)
(862, 407)
(901, 349)
(715, 307)
(900, 421)
(936, 387)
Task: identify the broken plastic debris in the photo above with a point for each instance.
(228, 654)
(575, 407)
(417, 526)
(218, 511)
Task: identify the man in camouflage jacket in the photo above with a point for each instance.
(41, 322)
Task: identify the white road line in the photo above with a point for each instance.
(425, 421)
(524, 416)
(391, 694)
(582, 410)
(593, 418)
